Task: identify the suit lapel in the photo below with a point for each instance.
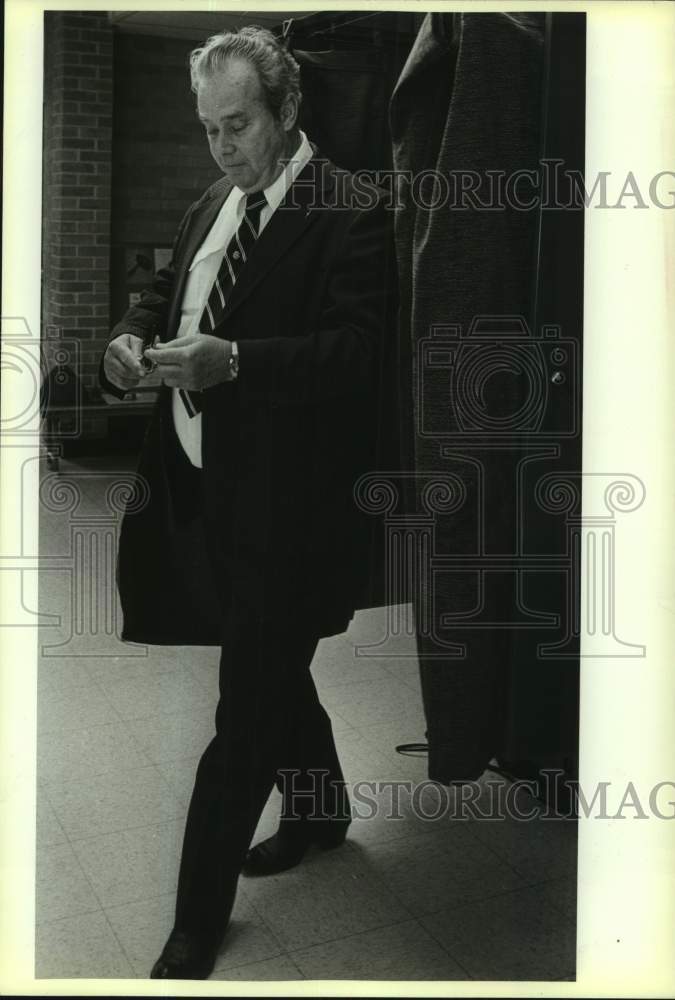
(202, 219)
(291, 219)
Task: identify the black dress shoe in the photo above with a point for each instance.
(185, 956)
(284, 851)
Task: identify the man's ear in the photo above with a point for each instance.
(288, 113)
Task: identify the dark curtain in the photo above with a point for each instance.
(542, 713)
(349, 65)
(345, 101)
(483, 425)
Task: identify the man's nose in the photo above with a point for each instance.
(227, 146)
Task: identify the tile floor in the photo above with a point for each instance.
(407, 898)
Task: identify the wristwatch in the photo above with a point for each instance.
(233, 361)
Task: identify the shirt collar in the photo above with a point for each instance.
(276, 191)
(274, 194)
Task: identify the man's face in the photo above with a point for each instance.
(245, 138)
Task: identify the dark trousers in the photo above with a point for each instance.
(270, 727)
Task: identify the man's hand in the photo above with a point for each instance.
(121, 361)
(197, 361)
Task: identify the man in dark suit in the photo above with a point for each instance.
(268, 330)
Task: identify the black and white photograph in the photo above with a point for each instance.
(315, 514)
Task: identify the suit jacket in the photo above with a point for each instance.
(276, 528)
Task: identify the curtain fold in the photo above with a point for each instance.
(466, 286)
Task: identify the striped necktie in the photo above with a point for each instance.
(234, 259)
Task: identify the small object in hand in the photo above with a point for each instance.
(146, 362)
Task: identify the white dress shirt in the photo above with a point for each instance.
(202, 274)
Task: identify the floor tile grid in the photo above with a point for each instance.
(501, 860)
(565, 856)
(43, 790)
(143, 821)
(501, 941)
(96, 955)
(346, 939)
(79, 842)
(70, 839)
(100, 911)
(449, 951)
(343, 938)
(236, 971)
(561, 895)
(224, 966)
(549, 880)
(279, 969)
(145, 757)
(455, 957)
(519, 869)
(49, 831)
(65, 836)
(89, 913)
(406, 919)
(99, 967)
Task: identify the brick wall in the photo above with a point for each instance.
(76, 182)
(124, 156)
(161, 162)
